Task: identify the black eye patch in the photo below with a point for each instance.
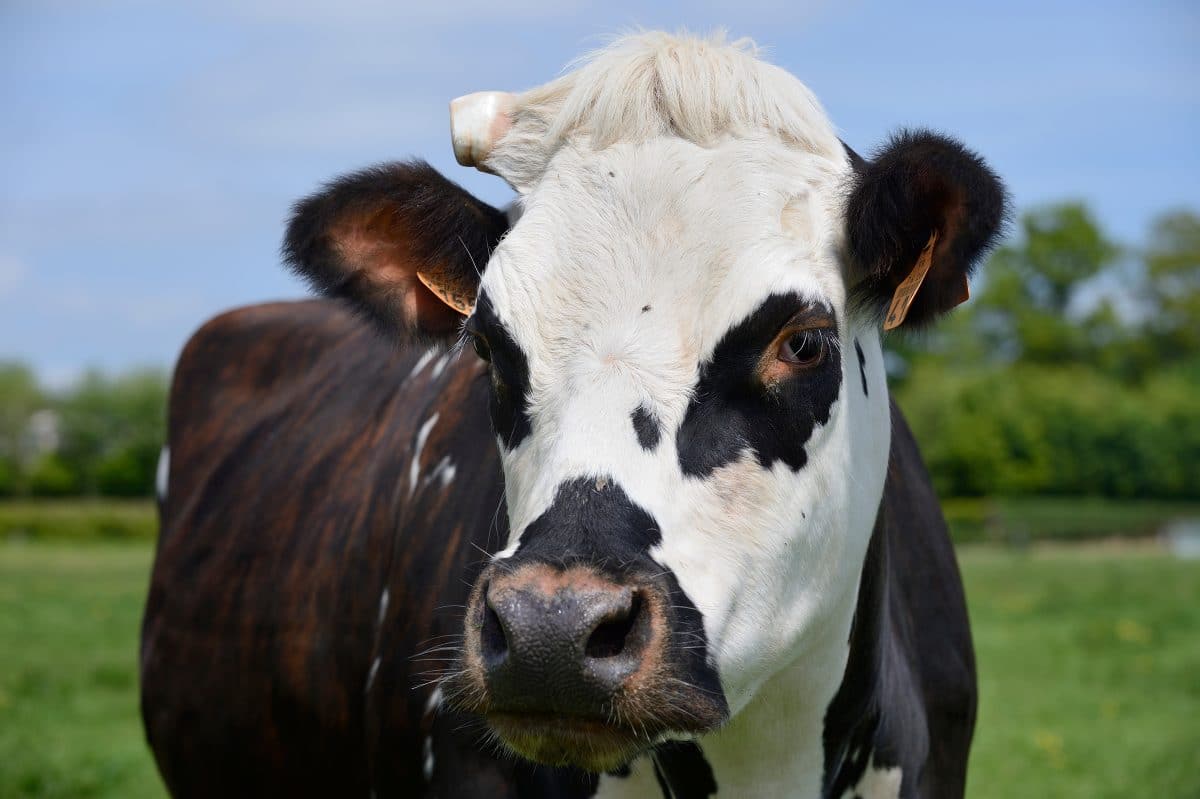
(732, 411)
(509, 404)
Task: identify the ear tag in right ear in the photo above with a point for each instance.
(905, 292)
(459, 300)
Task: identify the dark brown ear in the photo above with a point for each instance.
(401, 242)
(919, 217)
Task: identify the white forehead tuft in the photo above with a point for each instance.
(652, 85)
(697, 236)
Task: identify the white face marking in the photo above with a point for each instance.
(634, 255)
(162, 473)
(769, 556)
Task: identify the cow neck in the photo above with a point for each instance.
(822, 710)
(813, 726)
(854, 716)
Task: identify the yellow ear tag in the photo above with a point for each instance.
(905, 292)
(457, 299)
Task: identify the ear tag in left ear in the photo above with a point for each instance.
(905, 292)
(458, 299)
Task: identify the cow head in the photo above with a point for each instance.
(688, 389)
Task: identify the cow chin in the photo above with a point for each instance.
(639, 718)
(589, 744)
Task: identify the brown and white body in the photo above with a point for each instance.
(675, 535)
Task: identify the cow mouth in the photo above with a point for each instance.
(590, 743)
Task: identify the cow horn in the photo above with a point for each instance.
(477, 122)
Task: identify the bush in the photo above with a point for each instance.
(1022, 520)
(52, 476)
(10, 477)
(126, 473)
(1066, 431)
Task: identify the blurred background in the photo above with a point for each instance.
(149, 153)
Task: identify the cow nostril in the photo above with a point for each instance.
(493, 643)
(616, 633)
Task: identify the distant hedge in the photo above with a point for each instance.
(1014, 521)
(1071, 431)
(78, 520)
(1021, 520)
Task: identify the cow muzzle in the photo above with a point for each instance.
(570, 667)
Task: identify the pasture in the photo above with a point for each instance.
(1088, 660)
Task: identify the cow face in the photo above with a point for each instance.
(682, 332)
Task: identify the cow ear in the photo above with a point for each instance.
(919, 217)
(400, 241)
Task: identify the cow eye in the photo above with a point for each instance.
(481, 347)
(803, 348)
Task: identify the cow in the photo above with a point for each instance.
(602, 494)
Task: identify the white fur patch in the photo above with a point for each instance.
(384, 599)
(877, 783)
(434, 702)
(371, 675)
(444, 472)
(427, 356)
(427, 763)
(162, 473)
(439, 365)
(414, 468)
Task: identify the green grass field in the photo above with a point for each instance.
(1089, 671)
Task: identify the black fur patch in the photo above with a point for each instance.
(647, 427)
(682, 771)
(510, 391)
(732, 410)
(918, 183)
(407, 210)
(592, 522)
(907, 696)
(862, 367)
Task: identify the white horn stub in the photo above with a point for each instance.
(477, 122)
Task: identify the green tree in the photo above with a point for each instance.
(52, 476)
(20, 397)
(1171, 292)
(112, 429)
(1074, 371)
(1024, 311)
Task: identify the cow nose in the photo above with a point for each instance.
(550, 645)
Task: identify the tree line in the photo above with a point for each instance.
(99, 436)
(1075, 370)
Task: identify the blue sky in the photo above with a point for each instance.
(149, 151)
